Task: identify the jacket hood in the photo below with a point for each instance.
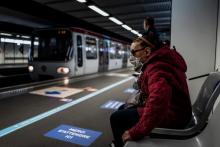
(167, 55)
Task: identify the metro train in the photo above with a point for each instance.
(67, 52)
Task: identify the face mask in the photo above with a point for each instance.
(135, 61)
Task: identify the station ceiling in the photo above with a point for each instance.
(130, 12)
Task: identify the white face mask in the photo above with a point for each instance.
(134, 61)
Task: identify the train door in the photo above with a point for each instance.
(1, 53)
(124, 56)
(9, 53)
(115, 55)
(103, 55)
(91, 54)
(129, 56)
(79, 62)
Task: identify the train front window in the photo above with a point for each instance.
(54, 45)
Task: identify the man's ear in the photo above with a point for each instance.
(148, 51)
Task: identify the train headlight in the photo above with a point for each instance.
(30, 68)
(63, 70)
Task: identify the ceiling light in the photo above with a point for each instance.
(115, 20)
(5, 34)
(126, 27)
(27, 37)
(81, 1)
(135, 32)
(139, 35)
(17, 41)
(96, 9)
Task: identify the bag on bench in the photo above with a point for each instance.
(135, 99)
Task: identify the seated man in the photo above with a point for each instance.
(163, 82)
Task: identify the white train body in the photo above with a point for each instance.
(74, 52)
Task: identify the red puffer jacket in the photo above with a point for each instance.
(167, 104)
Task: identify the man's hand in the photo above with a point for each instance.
(126, 136)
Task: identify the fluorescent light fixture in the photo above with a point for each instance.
(81, 1)
(127, 27)
(96, 9)
(139, 35)
(27, 37)
(115, 20)
(5, 34)
(17, 41)
(135, 32)
(26, 42)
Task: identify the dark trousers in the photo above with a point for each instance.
(122, 120)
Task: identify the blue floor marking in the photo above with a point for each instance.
(73, 134)
(112, 104)
(53, 92)
(34, 119)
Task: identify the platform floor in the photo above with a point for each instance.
(86, 114)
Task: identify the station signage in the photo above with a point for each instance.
(112, 104)
(73, 134)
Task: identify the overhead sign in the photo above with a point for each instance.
(74, 135)
(112, 104)
(60, 92)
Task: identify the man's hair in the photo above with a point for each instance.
(151, 40)
(149, 20)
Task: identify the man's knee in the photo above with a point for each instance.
(114, 117)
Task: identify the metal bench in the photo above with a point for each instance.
(202, 108)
